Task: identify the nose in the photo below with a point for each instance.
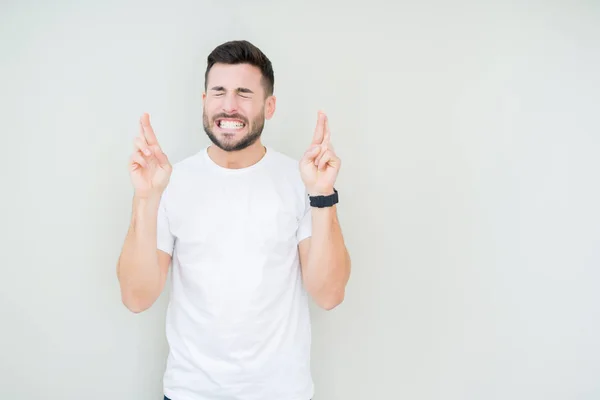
(230, 104)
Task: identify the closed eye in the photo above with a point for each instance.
(245, 92)
(219, 91)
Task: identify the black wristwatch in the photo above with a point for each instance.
(324, 201)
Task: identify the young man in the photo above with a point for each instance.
(250, 234)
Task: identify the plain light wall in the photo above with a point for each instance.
(469, 134)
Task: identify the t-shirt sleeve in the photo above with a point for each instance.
(165, 240)
(305, 225)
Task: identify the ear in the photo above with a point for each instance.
(270, 106)
(203, 97)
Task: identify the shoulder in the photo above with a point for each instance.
(284, 163)
(286, 171)
(190, 169)
(189, 164)
(286, 168)
(183, 172)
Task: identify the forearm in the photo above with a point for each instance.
(139, 274)
(328, 267)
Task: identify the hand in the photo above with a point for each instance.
(320, 166)
(149, 167)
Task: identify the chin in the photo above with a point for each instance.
(229, 136)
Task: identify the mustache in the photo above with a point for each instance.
(232, 116)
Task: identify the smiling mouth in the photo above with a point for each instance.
(230, 124)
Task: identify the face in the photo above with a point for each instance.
(235, 107)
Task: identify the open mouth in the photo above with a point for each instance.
(230, 124)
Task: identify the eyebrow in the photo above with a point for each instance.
(239, 90)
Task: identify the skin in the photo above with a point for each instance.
(234, 93)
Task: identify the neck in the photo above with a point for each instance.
(237, 159)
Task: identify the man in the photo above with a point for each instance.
(250, 234)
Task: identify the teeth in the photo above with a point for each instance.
(231, 124)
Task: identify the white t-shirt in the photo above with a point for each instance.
(238, 323)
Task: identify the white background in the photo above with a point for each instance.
(470, 187)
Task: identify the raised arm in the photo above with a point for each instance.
(142, 268)
(324, 257)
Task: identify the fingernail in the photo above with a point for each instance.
(147, 152)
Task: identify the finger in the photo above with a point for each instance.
(141, 145)
(141, 132)
(324, 148)
(324, 160)
(330, 153)
(311, 154)
(162, 158)
(329, 158)
(319, 130)
(148, 131)
(327, 132)
(137, 161)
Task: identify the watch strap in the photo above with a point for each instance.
(323, 201)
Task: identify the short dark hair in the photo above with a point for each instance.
(242, 52)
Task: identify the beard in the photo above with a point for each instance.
(254, 131)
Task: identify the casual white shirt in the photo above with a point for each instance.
(238, 324)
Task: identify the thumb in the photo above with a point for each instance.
(161, 157)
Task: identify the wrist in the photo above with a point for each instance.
(324, 198)
(321, 192)
(144, 200)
